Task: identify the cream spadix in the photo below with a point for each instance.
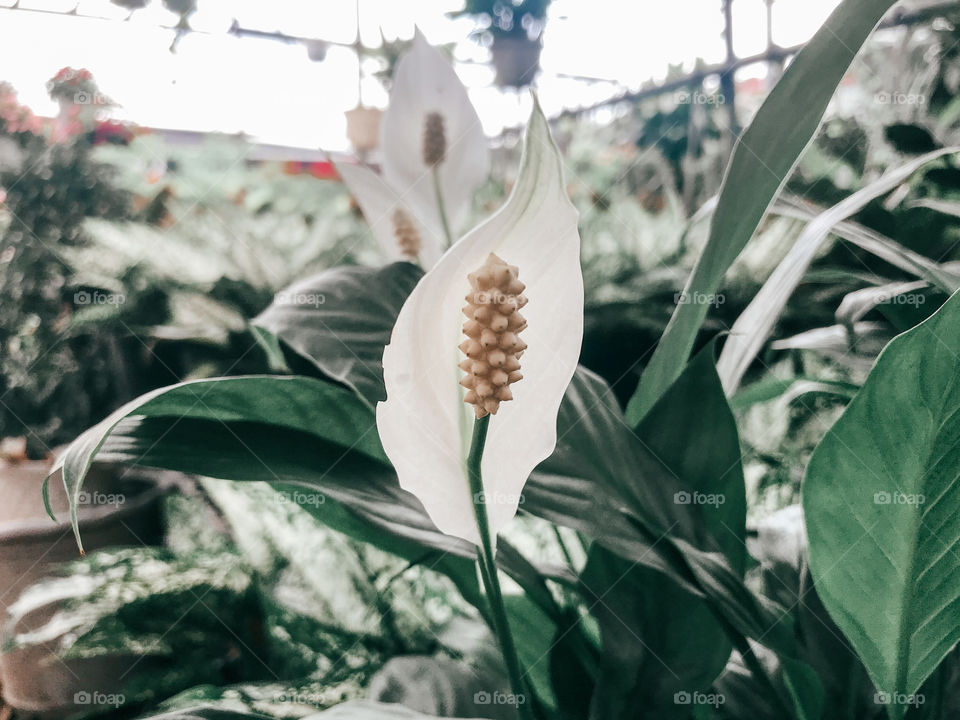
(426, 421)
(493, 346)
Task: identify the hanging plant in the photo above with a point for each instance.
(512, 29)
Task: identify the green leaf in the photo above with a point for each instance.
(283, 402)
(882, 504)
(755, 323)
(535, 636)
(340, 320)
(658, 638)
(694, 412)
(937, 274)
(143, 602)
(291, 432)
(772, 388)
(602, 482)
(761, 162)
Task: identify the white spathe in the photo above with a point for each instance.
(424, 82)
(424, 424)
(379, 201)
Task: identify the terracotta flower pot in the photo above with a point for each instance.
(515, 59)
(114, 512)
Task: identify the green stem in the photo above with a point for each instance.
(488, 569)
(442, 208)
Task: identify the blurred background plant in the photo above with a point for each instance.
(53, 382)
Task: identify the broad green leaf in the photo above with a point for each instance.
(285, 402)
(762, 159)
(340, 320)
(696, 404)
(291, 432)
(364, 500)
(754, 325)
(659, 639)
(602, 482)
(882, 500)
(287, 431)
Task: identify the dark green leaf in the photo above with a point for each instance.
(340, 321)
(284, 402)
(658, 638)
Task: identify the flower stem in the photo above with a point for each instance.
(488, 568)
(442, 208)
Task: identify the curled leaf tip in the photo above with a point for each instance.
(434, 140)
(407, 233)
(493, 346)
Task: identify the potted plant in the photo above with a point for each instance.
(121, 508)
(512, 29)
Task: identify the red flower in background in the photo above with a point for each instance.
(321, 169)
(113, 132)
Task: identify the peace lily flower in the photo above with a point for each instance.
(434, 158)
(456, 353)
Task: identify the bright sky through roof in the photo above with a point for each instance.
(273, 92)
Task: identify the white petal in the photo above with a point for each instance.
(379, 201)
(424, 82)
(424, 424)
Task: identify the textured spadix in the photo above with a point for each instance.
(493, 325)
(425, 424)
